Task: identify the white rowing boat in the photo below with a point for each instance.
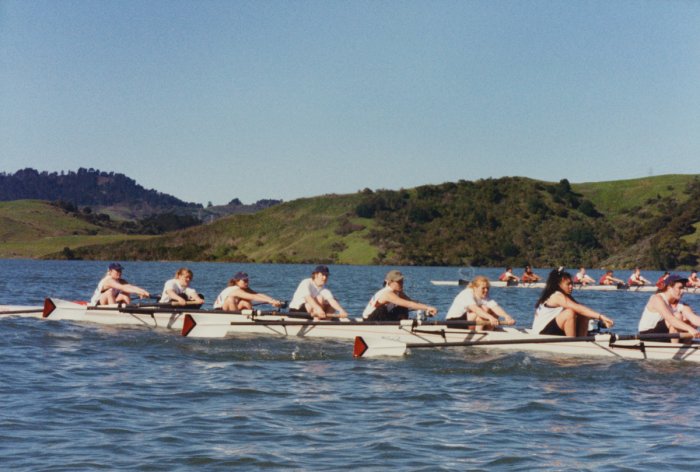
(198, 323)
(610, 345)
(540, 285)
(371, 338)
(150, 316)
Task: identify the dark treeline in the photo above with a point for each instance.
(85, 187)
(153, 224)
(516, 221)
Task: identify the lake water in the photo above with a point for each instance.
(87, 397)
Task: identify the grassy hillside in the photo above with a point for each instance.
(33, 228)
(320, 229)
(619, 195)
(652, 222)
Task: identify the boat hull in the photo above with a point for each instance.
(577, 287)
(416, 334)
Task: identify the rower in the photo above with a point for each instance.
(113, 289)
(239, 296)
(473, 304)
(508, 277)
(636, 279)
(312, 296)
(658, 316)
(693, 281)
(608, 279)
(558, 313)
(529, 276)
(582, 278)
(391, 303)
(178, 291)
(685, 313)
(661, 282)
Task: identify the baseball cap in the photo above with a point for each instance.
(393, 276)
(116, 266)
(240, 276)
(673, 278)
(321, 269)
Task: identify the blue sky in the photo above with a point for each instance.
(213, 100)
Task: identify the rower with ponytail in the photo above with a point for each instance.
(558, 313)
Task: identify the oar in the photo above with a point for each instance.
(378, 346)
(23, 311)
(189, 303)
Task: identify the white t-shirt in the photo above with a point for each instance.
(225, 293)
(374, 303)
(464, 300)
(100, 290)
(174, 285)
(308, 288)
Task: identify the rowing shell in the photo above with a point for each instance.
(218, 324)
(541, 285)
(600, 345)
(371, 338)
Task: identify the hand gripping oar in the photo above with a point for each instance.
(380, 346)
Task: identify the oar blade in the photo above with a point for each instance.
(367, 346)
(194, 328)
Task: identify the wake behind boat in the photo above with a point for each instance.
(577, 287)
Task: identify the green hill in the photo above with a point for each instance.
(320, 229)
(651, 222)
(34, 228)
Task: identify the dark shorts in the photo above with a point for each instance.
(553, 329)
(301, 309)
(383, 314)
(660, 328)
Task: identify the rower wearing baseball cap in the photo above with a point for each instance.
(658, 316)
(391, 303)
(312, 297)
(239, 296)
(113, 289)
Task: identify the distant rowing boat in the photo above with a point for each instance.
(540, 285)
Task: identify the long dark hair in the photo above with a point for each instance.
(553, 281)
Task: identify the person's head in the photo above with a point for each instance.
(673, 286)
(608, 272)
(394, 279)
(240, 279)
(480, 285)
(528, 268)
(582, 270)
(320, 274)
(184, 275)
(509, 269)
(558, 280)
(115, 270)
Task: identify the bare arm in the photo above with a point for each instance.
(126, 288)
(253, 296)
(560, 300)
(658, 305)
(406, 302)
